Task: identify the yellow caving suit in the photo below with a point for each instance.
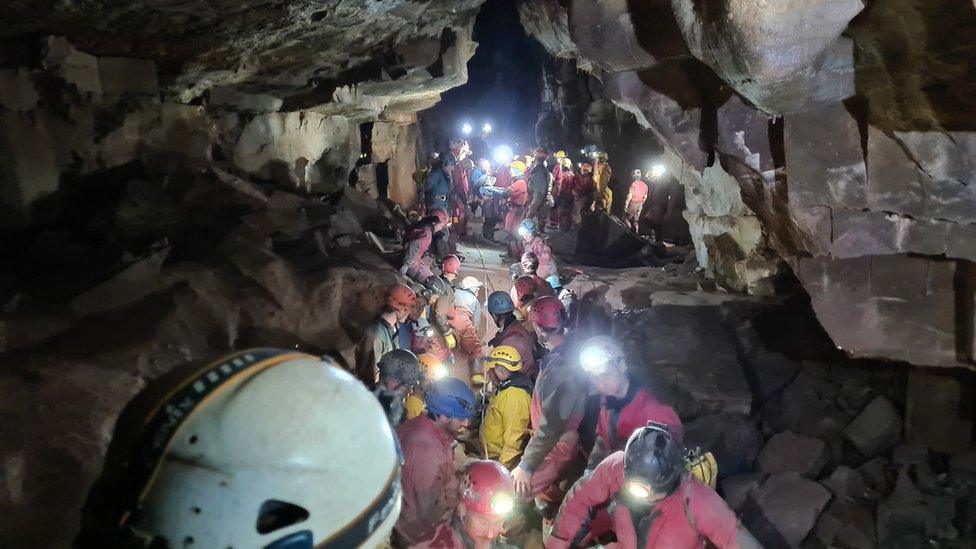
(601, 180)
(505, 428)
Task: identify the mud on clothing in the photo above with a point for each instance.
(688, 517)
(430, 487)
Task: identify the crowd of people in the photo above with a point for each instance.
(571, 433)
(479, 432)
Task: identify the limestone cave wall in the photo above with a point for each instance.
(830, 139)
(174, 183)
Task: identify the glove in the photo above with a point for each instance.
(451, 341)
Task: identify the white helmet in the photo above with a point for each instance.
(470, 283)
(267, 448)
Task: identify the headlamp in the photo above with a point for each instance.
(440, 371)
(657, 170)
(638, 490)
(523, 232)
(428, 332)
(486, 128)
(502, 504)
(594, 359)
(466, 129)
(502, 154)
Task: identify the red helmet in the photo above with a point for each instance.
(451, 264)
(487, 488)
(441, 215)
(401, 298)
(524, 286)
(547, 312)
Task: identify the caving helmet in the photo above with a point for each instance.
(401, 365)
(450, 397)
(235, 454)
(548, 312)
(500, 303)
(653, 464)
(487, 489)
(505, 356)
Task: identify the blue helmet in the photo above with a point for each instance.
(554, 282)
(450, 397)
(527, 227)
(500, 303)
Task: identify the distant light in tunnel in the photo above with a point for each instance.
(486, 128)
(657, 170)
(466, 129)
(502, 154)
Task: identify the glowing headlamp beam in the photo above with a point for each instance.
(593, 359)
(502, 504)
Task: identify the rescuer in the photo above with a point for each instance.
(601, 180)
(486, 500)
(505, 428)
(511, 332)
(565, 188)
(236, 453)
(552, 455)
(540, 188)
(399, 376)
(652, 502)
(430, 487)
(636, 197)
(583, 192)
(518, 198)
(418, 260)
(625, 405)
(533, 242)
(379, 337)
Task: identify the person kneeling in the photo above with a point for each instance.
(644, 497)
(487, 499)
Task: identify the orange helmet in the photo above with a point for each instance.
(401, 298)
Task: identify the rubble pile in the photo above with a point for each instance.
(814, 449)
(130, 274)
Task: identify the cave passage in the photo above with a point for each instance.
(539, 273)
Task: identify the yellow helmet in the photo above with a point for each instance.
(566, 163)
(505, 356)
(414, 406)
(433, 368)
(517, 165)
(560, 154)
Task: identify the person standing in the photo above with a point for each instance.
(540, 188)
(636, 197)
(602, 174)
(565, 200)
(583, 191)
(518, 199)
